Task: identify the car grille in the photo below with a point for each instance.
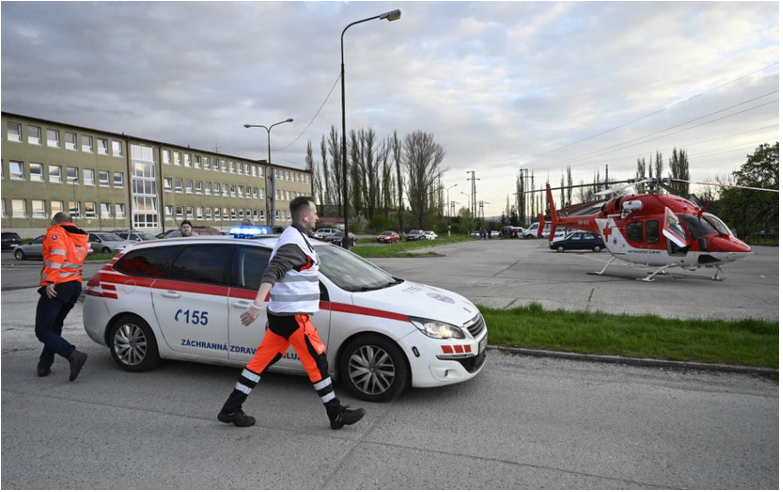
(473, 364)
(475, 326)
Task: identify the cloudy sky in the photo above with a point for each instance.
(500, 85)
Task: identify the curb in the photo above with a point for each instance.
(633, 361)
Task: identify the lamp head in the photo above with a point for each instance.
(391, 16)
(289, 120)
(246, 125)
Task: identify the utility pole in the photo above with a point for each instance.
(473, 180)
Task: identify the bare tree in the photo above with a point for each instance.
(310, 166)
(422, 159)
(396, 148)
(335, 152)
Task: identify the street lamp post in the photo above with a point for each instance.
(390, 16)
(269, 174)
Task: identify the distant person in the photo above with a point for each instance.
(186, 228)
(64, 249)
(247, 222)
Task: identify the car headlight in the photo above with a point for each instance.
(436, 329)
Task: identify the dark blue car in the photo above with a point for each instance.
(579, 240)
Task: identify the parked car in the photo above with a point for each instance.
(415, 235)
(511, 231)
(337, 238)
(579, 240)
(166, 233)
(388, 237)
(106, 242)
(10, 240)
(430, 235)
(494, 234)
(475, 234)
(560, 233)
(325, 231)
(34, 249)
(532, 231)
(134, 236)
(384, 334)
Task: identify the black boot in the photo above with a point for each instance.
(77, 360)
(340, 416)
(238, 418)
(43, 371)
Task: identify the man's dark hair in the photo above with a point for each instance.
(184, 222)
(298, 205)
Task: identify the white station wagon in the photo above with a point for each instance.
(181, 299)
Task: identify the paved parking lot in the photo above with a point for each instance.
(514, 272)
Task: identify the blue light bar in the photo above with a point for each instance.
(244, 231)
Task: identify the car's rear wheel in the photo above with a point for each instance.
(133, 345)
(106, 250)
(374, 368)
(19, 254)
(597, 249)
(560, 249)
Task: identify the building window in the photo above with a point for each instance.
(72, 175)
(14, 132)
(198, 187)
(70, 141)
(16, 170)
(189, 212)
(55, 174)
(169, 211)
(116, 148)
(119, 179)
(261, 194)
(178, 185)
(199, 213)
(208, 213)
(197, 161)
(87, 143)
(206, 162)
(103, 178)
(89, 210)
(186, 160)
(53, 138)
(56, 206)
(119, 210)
(103, 146)
(233, 191)
(188, 186)
(217, 188)
(39, 209)
(216, 165)
(75, 209)
(89, 177)
(167, 184)
(180, 212)
(177, 158)
(19, 208)
(207, 188)
(36, 172)
(105, 210)
(166, 156)
(223, 165)
(34, 135)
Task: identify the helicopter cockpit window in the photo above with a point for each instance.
(698, 226)
(718, 224)
(673, 225)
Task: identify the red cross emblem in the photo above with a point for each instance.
(607, 231)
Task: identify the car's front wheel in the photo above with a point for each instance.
(133, 344)
(106, 250)
(560, 249)
(374, 368)
(597, 249)
(19, 254)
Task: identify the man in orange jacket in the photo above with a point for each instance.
(64, 249)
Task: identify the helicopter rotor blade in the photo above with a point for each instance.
(724, 185)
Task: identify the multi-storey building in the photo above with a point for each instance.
(116, 181)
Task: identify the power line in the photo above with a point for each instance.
(314, 117)
(608, 150)
(655, 112)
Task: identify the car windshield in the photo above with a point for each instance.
(387, 233)
(108, 236)
(351, 272)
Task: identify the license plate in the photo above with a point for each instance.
(483, 344)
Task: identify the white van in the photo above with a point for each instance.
(532, 231)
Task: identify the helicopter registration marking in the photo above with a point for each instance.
(646, 251)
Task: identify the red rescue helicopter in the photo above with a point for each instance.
(662, 231)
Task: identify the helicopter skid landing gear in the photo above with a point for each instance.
(718, 271)
(662, 270)
(605, 266)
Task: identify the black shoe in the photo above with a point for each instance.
(43, 372)
(77, 360)
(237, 418)
(346, 416)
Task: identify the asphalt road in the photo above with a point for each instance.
(523, 423)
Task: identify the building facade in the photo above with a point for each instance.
(111, 181)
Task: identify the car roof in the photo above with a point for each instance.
(266, 241)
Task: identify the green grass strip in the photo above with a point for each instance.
(747, 342)
(403, 248)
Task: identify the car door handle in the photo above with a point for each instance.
(171, 294)
(241, 305)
